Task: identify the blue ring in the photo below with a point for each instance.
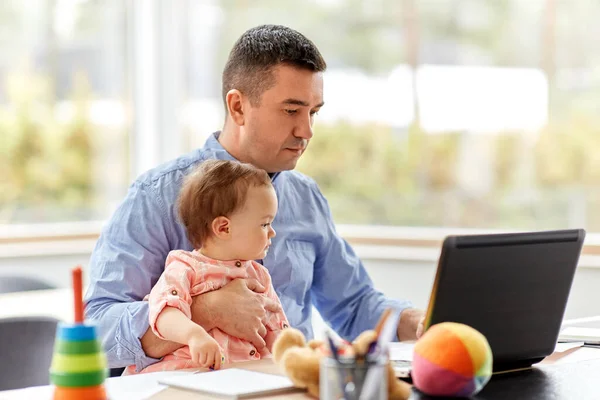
(75, 332)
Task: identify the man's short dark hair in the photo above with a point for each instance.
(258, 51)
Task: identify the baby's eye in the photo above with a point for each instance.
(265, 225)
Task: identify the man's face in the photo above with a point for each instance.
(277, 130)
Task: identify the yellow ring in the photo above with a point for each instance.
(78, 363)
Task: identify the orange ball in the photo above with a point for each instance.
(451, 359)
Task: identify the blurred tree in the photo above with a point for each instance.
(76, 157)
(568, 154)
(367, 167)
(46, 136)
(48, 161)
(440, 158)
(506, 160)
(372, 178)
(21, 126)
(371, 173)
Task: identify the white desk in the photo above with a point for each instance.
(144, 387)
(137, 387)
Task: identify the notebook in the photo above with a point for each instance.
(590, 336)
(401, 355)
(233, 383)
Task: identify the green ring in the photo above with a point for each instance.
(78, 380)
(69, 347)
(77, 363)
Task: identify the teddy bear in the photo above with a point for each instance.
(300, 361)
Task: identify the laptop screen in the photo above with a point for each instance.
(513, 288)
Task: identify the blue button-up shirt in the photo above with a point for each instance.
(308, 261)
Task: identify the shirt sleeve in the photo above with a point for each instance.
(342, 289)
(171, 290)
(127, 260)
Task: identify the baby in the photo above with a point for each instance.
(227, 208)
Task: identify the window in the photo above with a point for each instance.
(456, 113)
(449, 113)
(63, 110)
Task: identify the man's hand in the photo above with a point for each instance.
(421, 327)
(237, 309)
(411, 323)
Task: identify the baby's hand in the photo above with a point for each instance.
(205, 351)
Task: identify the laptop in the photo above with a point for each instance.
(513, 288)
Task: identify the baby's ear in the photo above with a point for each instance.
(221, 227)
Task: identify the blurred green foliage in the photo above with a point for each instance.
(373, 174)
(367, 172)
(370, 173)
(46, 162)
(568, 153)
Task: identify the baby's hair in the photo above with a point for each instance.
(216, 188)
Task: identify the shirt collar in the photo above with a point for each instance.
(212, 143)
(227, 263)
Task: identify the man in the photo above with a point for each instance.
(272, 89)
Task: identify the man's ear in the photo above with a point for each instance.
(221, 228)
(235, 106)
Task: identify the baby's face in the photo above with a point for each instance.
(251, 230)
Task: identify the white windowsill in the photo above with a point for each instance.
(370, 242)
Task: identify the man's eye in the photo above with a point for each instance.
(291, 112)
(313, 113)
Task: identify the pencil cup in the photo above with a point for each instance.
(79, 366)
(352, 380)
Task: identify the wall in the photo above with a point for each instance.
(413, 280)
(407, 279)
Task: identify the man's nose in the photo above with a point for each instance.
(304, 130)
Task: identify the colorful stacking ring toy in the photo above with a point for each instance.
(79, 366)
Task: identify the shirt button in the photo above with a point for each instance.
(252, 352)
(238, 264)
(174, 292)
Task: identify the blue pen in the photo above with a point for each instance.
(212, 367)
(372, 348)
